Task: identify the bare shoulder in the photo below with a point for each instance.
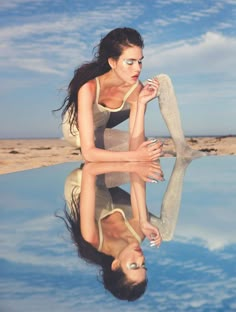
(87, 91)
(89, 86)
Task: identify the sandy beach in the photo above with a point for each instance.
(19, 155)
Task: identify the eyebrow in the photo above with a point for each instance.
(133, 59)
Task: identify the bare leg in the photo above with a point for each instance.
(170, 112)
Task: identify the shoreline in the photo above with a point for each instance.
(25, 154)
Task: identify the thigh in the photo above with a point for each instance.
(116, 140)
(112, 139)
(117, 117)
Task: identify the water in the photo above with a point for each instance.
(193, 270)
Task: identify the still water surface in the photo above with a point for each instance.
(193, 270)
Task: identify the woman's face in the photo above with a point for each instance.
(132, 263)
(129, 65)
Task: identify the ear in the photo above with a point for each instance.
(112, 62)
(115, 264)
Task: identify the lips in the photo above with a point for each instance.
(138, 249)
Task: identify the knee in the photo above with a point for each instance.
(164, 79)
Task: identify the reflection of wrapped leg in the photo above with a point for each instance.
(171, 201)
(170, 112)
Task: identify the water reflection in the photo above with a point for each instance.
(194, 271)
(108, 224)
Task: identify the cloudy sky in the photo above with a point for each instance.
(43, 41)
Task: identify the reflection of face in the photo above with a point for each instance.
(128, 66)
(130, 255)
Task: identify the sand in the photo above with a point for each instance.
(19, 155)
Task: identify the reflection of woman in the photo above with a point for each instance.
(107, 91)
(110, 235)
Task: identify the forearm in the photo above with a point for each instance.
(139, 196)
(94, 154)
(137, 130)
(107, 167)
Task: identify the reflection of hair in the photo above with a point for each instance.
(110, 46)
(114, 281)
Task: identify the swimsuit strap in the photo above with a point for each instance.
(125, 96)
(130, 228)
(97, 90)
(130, 91)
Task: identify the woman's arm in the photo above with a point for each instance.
(88, 226)
(137, 115)
(90, 152)
(138, 202)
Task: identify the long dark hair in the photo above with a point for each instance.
(110, 46)
(114, 281)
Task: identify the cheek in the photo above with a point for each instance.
(123, 71)
(126, 69)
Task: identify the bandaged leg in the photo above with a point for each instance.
(170, 112)
(171, 202)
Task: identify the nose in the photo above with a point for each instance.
(138, 66)
(141, 260)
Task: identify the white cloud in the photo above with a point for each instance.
(8, 5)
(51, 45)
(189, 16)
(208, 54)
(169, 2)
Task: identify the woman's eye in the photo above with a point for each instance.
(129, 62)
(133, 266)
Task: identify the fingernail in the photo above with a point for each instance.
(154, 181)
(153, 140)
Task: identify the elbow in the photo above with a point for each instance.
(88, 155)
(91, 239)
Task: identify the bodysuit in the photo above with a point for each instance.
(101, 116)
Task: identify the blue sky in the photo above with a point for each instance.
(43, 41)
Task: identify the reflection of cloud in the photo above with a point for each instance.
(208, 225)
(207, 213)
(29, 243)
(189, 277)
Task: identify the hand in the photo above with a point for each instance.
(152, 233)
(149, 91)
(149, 171)
(149, 150)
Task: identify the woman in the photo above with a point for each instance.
(108, 225)
(107, 91)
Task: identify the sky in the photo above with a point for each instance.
(43, 41)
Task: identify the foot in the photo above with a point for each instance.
(188, 152)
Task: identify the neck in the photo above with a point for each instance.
(115, 247)
(110, 79)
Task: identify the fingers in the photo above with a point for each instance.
(155, 178)
(153, 84)
(152, 149)
(155, 239)
(155, 150)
